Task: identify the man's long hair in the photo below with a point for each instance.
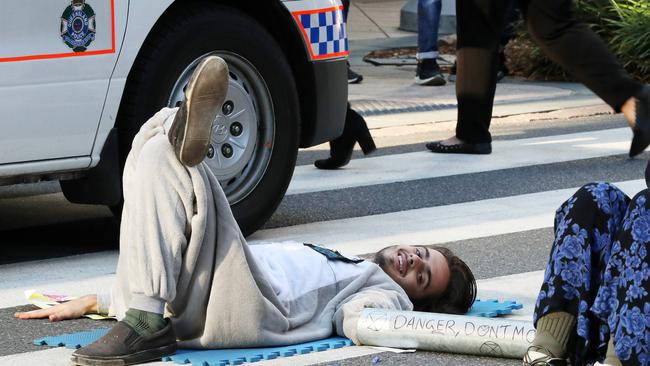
(461, 290)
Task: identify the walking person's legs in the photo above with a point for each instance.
(575, 47)
(346, 9)
(509, 32)
(480, 24)
(159, 211)
(428, 71)
(353, 77)
(428, 24)
(567, 41)
(585, 226)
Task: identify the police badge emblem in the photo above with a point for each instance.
(78, 25)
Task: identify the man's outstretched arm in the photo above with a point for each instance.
(72, 309)
(347, 314)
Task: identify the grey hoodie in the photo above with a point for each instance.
(180, 244)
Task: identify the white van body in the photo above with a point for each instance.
(65, 65)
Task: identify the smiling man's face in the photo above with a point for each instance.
(421, 272)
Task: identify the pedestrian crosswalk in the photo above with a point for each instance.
(434, 225)
(491, 219)
(421, 165)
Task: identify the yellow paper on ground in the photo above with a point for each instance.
(45, 301)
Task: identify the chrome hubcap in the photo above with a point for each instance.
(243, 133)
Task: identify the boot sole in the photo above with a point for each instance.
(132, 359)
(478, 149)
(205, 93)
(432, 81)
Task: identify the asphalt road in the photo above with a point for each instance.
(36, 222)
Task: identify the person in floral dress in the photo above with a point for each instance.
(593, 305)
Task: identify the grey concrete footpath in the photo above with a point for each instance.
(390, 90)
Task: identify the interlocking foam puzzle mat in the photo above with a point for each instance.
(219, 357)
(72, 340)
(239, 356)
(222, 357)
(492, 308)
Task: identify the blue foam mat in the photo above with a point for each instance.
(484, 308)
(223, 357)
(72, 340)
(492, 308)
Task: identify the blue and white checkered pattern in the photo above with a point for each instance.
(326, 32)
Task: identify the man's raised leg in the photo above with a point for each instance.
(159, 208)
(204, 95)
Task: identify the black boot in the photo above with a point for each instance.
(647, 175)
(355, 130)
(641, 129)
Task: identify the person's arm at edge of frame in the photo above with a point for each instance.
(348, 313)
(72, 309)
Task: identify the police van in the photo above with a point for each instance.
(79, 77)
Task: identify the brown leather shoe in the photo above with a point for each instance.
(123, 346)
(192, 126)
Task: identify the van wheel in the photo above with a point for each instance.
(255, 137)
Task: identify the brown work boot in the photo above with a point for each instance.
(122, 345)
(191, 129)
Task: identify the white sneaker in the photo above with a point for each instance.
(540, 356)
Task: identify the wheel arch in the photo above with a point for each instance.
(160, 48)
(276, 19)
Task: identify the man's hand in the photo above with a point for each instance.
(72, 309)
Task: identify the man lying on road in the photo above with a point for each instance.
(186, 276)
(185, 272)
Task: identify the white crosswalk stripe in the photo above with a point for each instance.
(367, 234)
(421, 165)
(434, 225)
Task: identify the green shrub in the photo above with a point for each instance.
(623, 24)
(629, 36)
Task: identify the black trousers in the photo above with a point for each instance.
(346, 9)
(480, 24)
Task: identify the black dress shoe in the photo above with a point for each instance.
(355, 130)
(462, 148)
(641, 129)
(122, 345)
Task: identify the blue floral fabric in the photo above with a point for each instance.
(598, 270)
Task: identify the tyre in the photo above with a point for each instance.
(255, 137)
